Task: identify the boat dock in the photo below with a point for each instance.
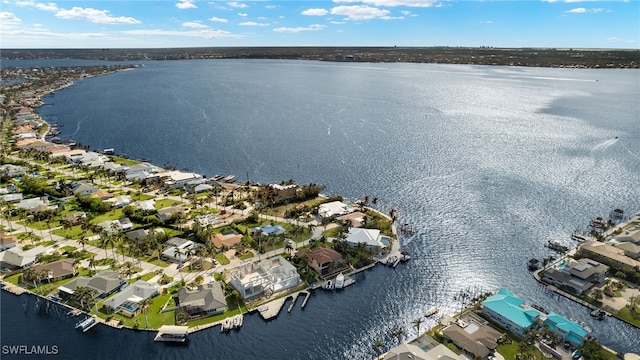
(271, 310)
(306, 298)
(293, 302)
(15, 290)
(171, 333)
(87, 324)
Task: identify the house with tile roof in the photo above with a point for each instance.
(566, 329)
(510, 311)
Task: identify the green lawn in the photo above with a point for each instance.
(509, 351)
(109, 215)
(163, 203)
(222, 259)
(13, 279)
(246, 256)
(156, 319)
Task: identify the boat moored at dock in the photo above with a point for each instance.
(434, 310)
(339, 281)
(171, 333)
(86, 324)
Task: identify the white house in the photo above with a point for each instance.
(268, 276)
(370, 237)
(334, 208)
(18, 258)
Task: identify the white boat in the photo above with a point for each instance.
(226, 325)
(229, 179)
(86, 324)
(339, 281)
(237, 321)
(329, 285)
(434, 310)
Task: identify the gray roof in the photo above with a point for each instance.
(135, 292)
(206, 298)
(103, 282)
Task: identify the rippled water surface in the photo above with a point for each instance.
(486, 163)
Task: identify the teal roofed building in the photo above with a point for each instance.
(510, 311)
(566, 329)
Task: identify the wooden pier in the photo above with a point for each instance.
(306, 298)
(293, 302)
(15, 290)
(271, 310)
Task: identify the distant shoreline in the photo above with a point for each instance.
(528, 57)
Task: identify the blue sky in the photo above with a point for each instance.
(195, 23)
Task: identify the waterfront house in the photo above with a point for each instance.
(227, 238)
(324, 260)
(429, 351)
(207, 299)
(7, 241)
(631, 234)
(511, 312)
(370, 237)
(566, 329)
(57, 270)
(102, 194)
(127, 300)
(356, 219)
(334, 208)
(267, 277)
(475, 337)
(282, 193)
(576, 276)
(606, 253)
(175, 179)
(16, 257)
(103, 284)
(630, 249)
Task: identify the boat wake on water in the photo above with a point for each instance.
(604, 145)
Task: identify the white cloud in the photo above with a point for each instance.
(95, 16)
(486, 22)
(217, 19)
(205, 34)
(237, 5)
(271, 7)
(359, 12)
(243, 14)
(392, 3)
(252, 23)
(614, 39)
(186, 4)
(338, 22)
(39, 6)
(582, 10)
(314, 27)
(315, 12)
(194, 25)
(8, 21)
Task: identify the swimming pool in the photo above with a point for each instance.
(385, 240)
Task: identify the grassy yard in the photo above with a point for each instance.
(246, 256)
(509, 351)
(163, 203)
(155, 317)
(13, 279)
(222, 259)
(109, 215)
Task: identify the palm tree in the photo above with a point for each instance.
(83, 240)
(398, 333)
(92, 261)
(416, 323)
(378, 344)
(128, 269)
(107, 241)
(288, 247)
(145, 306)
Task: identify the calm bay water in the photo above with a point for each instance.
(487, 164)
